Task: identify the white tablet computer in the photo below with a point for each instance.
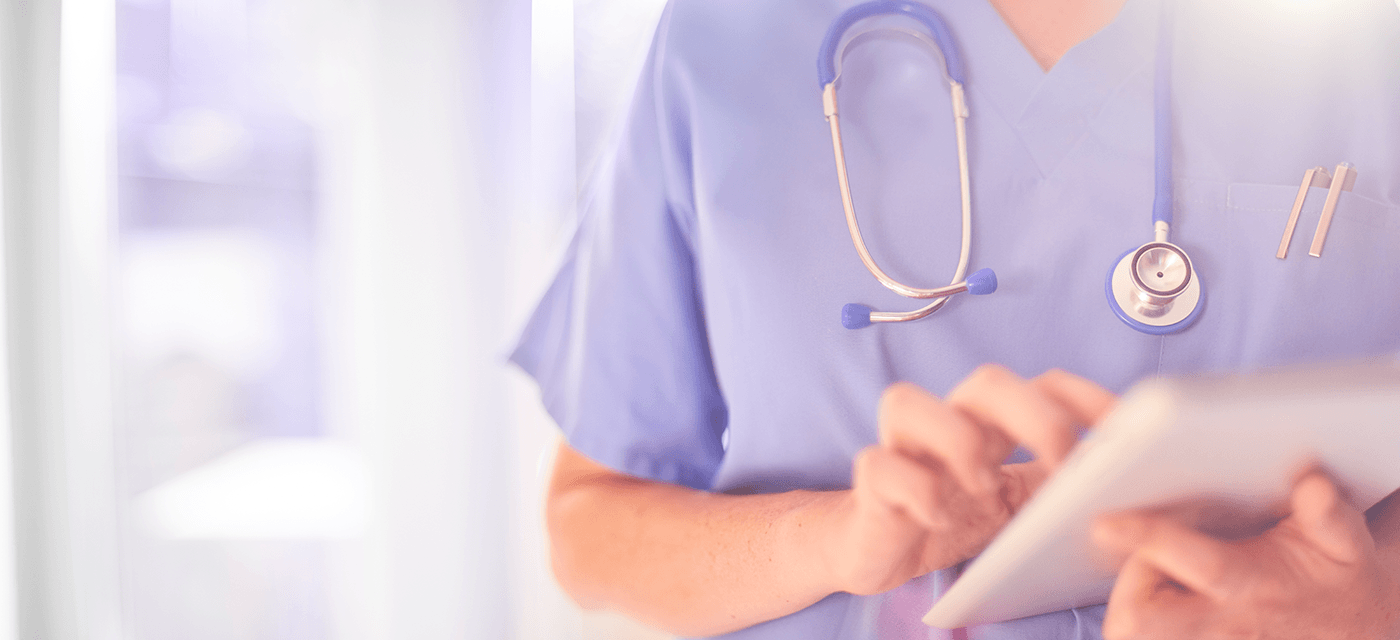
(1233, 442)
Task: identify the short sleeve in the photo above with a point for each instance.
(618, 344)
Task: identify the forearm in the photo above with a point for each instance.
(685, 561)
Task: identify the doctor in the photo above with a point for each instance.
(739, 463)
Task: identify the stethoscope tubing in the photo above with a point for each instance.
(1144, 319)
(943, 38)
(1162, 196)
(848, 201)
(828, 73)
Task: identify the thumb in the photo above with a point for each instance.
(1327, 520)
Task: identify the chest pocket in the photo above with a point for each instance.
(1264, 311)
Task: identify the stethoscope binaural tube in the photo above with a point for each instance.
(859, 316)
(856, 316)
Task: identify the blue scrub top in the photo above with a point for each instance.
(693, 333)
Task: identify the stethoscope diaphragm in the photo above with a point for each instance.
(1155, 289)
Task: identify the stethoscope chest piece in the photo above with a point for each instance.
(1154, 289)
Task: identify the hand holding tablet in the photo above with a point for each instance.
(1227, 448)
(1326, 570)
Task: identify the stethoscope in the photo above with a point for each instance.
(1153, 288)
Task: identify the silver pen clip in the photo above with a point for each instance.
(1314, 177)
(1342, 180)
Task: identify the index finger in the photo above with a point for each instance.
(998, 398)
(1084, 399)
(1143, 605)
(927, 429)
(1201, 563)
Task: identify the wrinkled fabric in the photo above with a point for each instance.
(693, 334)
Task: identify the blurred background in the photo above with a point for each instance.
(263, 262)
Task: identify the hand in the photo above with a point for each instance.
(1316, 574)
(933, 492)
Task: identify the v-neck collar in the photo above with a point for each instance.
(1050, 111)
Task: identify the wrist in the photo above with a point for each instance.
(815, 533)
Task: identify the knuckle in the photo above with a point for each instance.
(902, 406)
(992, 374)
(861, 465)
(900, 395)
(932, 492)
(964, 437)
(870, 471)
(1053, 376)
(986, 379)
(965, 448)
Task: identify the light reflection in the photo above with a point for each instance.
(212, 293)
(199, 142)
(272, 488)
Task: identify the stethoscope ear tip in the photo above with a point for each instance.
(855, 316)
(982, 282)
